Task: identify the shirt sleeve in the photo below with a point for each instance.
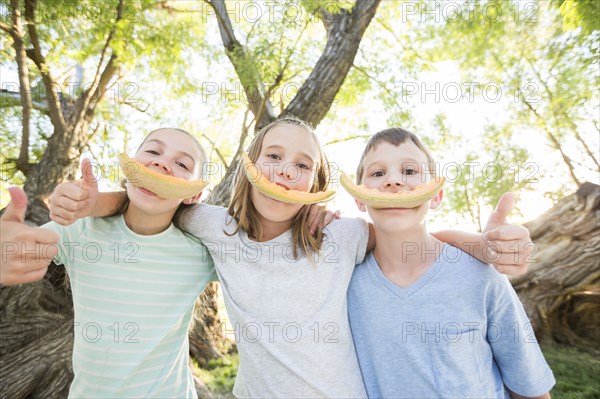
(514, 346)
(350, 234)
(203, 221)
(205, 256)
(68, 239)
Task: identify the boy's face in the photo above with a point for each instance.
(391, 169)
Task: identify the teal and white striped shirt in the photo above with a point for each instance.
(133, 298)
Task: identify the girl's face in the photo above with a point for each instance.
(169, 152)
(288, 157)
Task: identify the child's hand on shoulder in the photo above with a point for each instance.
(319, 217)
(74, 200)
(26, 250)
(509, 246)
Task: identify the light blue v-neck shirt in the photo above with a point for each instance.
(458, 331)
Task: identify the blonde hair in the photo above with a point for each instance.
(394, 136)
(245, 214)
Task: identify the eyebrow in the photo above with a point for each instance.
(280, 147)
(183, 153)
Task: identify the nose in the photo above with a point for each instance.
(160, 164)
(394, 181)
(282, 171)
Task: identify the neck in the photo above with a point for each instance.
(406, 250)
(145, 224)
(272, 229)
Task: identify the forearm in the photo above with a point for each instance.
(471, 243)
(108, 203)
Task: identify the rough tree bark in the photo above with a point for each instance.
(561, 292)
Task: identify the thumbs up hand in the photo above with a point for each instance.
(74, 200)
(26, 250)
(508, 246)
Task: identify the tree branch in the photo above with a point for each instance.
(350, 138)
(55, 111)
(101, 79)
(215, 149)
(24, 85)
(562, 112)
(382, 85)
(344, 33)
(5, 27)
(132, 105)
(13, 99)
(243, 64)
(553, 139)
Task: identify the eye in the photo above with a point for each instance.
(152, 152)
(410, 171)
(377, 173)
(274, 156)
(303, 166)
(182, 165)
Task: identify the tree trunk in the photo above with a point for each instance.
(561, 292)
(37, 339)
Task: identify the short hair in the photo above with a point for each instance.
(394, 136)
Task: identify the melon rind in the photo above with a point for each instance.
(272, 190)
(403, 199)
(164, 186)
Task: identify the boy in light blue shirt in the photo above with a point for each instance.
(428, 320)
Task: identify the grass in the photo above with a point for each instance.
(577, 373)
(219, 374)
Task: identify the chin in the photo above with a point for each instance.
(150, 203)
(279, 216)
(274, 210)
(396, 220)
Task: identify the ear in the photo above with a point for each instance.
(193, 200)
(436, 201)
(360, 206)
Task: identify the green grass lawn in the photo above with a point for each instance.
(219, 375)
(577, 373)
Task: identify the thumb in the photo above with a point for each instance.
(15, 211)
(498, 217)
(89, 181)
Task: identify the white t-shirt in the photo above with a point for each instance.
(289, 316)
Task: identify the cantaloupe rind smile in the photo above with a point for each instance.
(376, 199)
(164, 186)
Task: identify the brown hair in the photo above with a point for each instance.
(245, 214)
(394, 136)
